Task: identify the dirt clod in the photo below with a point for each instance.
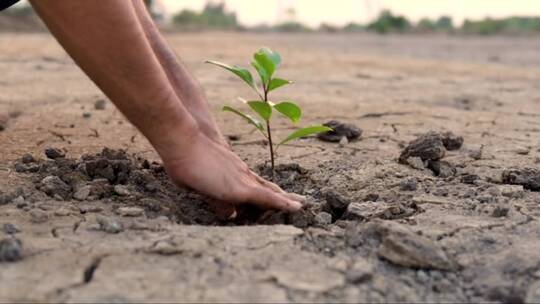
(54, 153)
(428, 146)
(442, 168)
(10, 250)
(340, 130)
(451, 141)
(529, 178)
(336, 204)
(403, 247)
(53, 185)
(410, 184)
(364, 211)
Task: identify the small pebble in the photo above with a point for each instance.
(10, 250)
(87, 115)
(62, 212)
(18, 201)
(500, 211)
(82, 193)
(512, 191)
(91, 209)
(523, 150)
(121, 190)
(343, 141)
(110, 225)
(10, 228)
(38, 216)
(130, 211)
(422, 276)
(323, 218)
(476, 154)
(469, 178)
(5, 198)
(100, 104)
(28, 158)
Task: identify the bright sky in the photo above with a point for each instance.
(339, 12)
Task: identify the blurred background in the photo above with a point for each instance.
(477, 17)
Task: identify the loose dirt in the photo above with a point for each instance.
(433, 196)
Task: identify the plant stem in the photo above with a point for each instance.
(269, 132)
(270, 144)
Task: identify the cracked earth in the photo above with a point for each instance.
(401, 214)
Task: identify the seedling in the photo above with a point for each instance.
(266, 62)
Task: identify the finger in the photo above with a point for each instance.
(266, 183)
(293, 196)
(269, 199)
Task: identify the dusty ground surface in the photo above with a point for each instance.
(108, 226)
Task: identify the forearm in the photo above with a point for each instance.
(108, 43)
(184, 84)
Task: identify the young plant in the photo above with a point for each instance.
(266, 62)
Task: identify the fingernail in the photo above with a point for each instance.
(302, 198)
(295, 206)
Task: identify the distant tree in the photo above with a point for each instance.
(328, 28)
(511, 25)
(387, 22)
(213, 16)
(426, 25)
(445, 23)
(291, 27)
(354, 27)
(487, 26)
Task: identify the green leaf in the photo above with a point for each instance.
(238, 71)
(290, 110)
(264, 62)
(248, 118)
(262, 108)
(267, 60)
(262, 72)
(277, 83)
(305, 132)
(274, 56)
